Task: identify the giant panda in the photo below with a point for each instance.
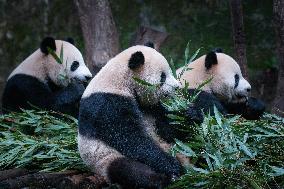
(228, 90)
(117, 137)
(42, 82)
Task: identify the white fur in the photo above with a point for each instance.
(44, 66)
(97, 155)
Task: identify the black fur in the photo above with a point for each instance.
(74, 66)
(252, 109)
(206, 102)
(136, 60)
(165, 130)
(150, 44)
(47, 42)
(22, 90)
(218, 50)
(70, 40)
(237, 80)
(210, 59)
(117, 120)
(133, 174)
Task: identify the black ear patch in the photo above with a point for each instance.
(136, 60)
(70, 40)
(210, 59)
(47, 42)
(150, 44)
(218, 50)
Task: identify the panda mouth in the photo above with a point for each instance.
(240, 98)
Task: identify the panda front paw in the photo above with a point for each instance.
(77, 87)
(194, 115)
(254, 109)
(173, 169)
(158, 181)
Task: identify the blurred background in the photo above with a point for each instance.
(243, 29)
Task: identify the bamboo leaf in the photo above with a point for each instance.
(54, 55)
(61, 53)
(194, 56)
(143, 82)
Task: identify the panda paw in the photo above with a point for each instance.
(194, 115)
(158, 181)
(254, 109)
(76, 90)
(173, 169)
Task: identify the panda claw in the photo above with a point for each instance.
(174, 178)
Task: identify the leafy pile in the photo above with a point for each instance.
(230, 152)
(39, 140)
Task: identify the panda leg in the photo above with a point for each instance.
(133, 174)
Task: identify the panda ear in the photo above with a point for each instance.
(46, 43)
(150, 44)
(70, 40)
(218, 50)
(136, 60)
(210, 59)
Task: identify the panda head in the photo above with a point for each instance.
(73, 66)
(141, 62)
(227, 84)
(149, 65)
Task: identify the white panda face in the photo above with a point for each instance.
(72, 68)
(155, 70)
(228, 83)
(77, 70)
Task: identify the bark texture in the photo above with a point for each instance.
(278, 15)
(146, 34)
(99, 32)
(239, 35)
(20, 178)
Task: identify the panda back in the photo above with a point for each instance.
(32, 66)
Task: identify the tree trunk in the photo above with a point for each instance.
(146, 34)
(239, 35)
(278, 15)
(99, 32)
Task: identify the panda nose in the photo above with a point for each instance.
(88, 78)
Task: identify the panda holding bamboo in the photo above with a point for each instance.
(117, 137)
(228, 90)
(42, 82)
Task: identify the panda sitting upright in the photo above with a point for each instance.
(117, 137)
(227, 90)
(40, 81)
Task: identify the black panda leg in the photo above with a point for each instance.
(132, 174)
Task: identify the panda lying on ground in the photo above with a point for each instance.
(38, 80)
(117, 136)
(228, 90)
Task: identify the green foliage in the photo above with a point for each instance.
(59, 60)
(39, 140)
(226, 152)
(229, 152)
(187, 60)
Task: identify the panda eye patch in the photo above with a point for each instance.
(163, 78)
(74, 66)
(237, 79)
